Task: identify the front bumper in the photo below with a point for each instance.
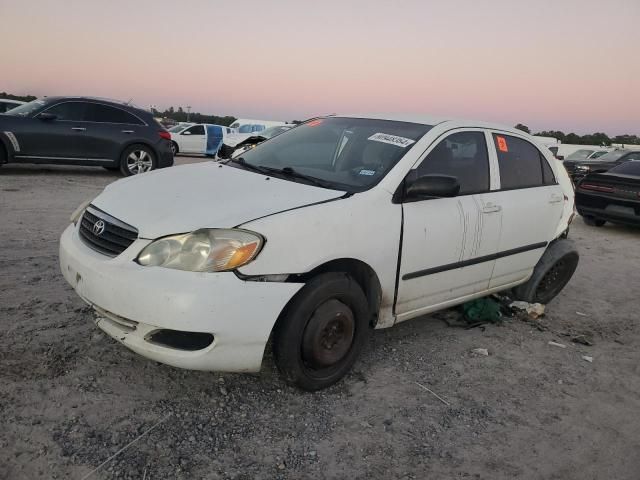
(133, 301)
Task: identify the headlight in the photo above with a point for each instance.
(583, 168)
(77, 213)
(206, 250)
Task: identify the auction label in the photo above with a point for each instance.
(392, 139)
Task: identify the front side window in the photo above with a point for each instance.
(632, 156)
(195, 130)
(68, 111)
(27, 109)
(96, 112)
(351, 154)
(521, 164)
(462, 155)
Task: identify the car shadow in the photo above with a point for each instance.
(59, 170)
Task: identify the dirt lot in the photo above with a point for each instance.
(70, 397)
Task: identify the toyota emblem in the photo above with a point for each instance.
(98, 227)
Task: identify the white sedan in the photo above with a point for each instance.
(313, 238)
(202, 138)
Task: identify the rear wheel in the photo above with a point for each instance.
(551, 274)
(593, 222)
(137, 159)
(174, 148)
(321, 332)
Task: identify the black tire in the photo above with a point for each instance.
(593, 222)
(137, 159)
(174, 148)
(321, 331)
(551, 274)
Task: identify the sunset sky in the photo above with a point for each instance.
(571, 65)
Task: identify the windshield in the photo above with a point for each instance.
(598, 154)
(611, 156)
(579, 155)
(26, 109)
(273, 131)
(351, 154)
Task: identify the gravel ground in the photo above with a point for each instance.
(70, 397)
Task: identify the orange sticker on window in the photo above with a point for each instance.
(502, 144)
(314, 123)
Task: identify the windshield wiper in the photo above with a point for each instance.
(284, 172)
(290, 172)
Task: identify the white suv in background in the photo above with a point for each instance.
(335, 227)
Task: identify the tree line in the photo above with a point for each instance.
(597, 138)
(180, 115)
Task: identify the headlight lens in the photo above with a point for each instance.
(583, 168)
(207, 250)
(77, 213)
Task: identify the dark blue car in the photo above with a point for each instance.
(84, 131)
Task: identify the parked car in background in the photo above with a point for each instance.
(318, 235)
(237, 142)
(84, 131)
(6, 104)
(585, 153)
(202, 138)
(579, 168)
(611, 196)
(180, 127)
(248, 126)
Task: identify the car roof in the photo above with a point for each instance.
(433, 120)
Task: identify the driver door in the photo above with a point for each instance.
(448, 243)
(193, 140)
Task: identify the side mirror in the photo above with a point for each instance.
(432, 186)
(47, 117)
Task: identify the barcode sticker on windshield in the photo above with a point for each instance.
(392, 139)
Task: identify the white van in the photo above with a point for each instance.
(247, 125)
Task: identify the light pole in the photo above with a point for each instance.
(188, 112)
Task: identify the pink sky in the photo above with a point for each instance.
(570, 65)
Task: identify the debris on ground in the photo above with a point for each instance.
(480, 351)
(587, 358)
(482, 310)
(556, 344)
(583, 340)
(534, 310)
(580, 314)
(434, 394)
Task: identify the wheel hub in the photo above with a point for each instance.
(328, 335)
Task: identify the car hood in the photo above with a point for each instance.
(203, 195)
(234, 139)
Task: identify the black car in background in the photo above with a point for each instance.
(612, 196)
(84, 131)
(579, 168)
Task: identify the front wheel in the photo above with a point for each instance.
(137, 159)
(551, 274)
(321, 332)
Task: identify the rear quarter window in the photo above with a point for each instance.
(521, 164)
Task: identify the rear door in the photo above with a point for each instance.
(448, 243)
(193, 139)
(109, 129)
(532, 203)
(60, 139)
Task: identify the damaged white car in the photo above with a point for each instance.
(312, 239)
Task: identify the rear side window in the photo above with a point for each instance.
(68, 111)
(105, 114)
(628, 168)
(521, 164)
(462, 155)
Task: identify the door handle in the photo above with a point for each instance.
(127, 131)
(491, 208)
(555, 198)
(79, 129)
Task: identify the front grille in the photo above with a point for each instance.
(111, 240)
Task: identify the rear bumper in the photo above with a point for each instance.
(134, 301)
(165, 155)
(601, 214)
